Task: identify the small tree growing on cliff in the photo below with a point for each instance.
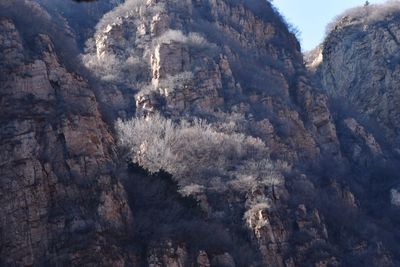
(366, 7)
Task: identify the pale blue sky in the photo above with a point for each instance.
(312, 16)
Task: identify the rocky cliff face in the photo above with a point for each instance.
(192, 58)
(357, 65)
(60, 202)
(360, 64)
(233, 68)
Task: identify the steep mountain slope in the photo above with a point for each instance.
(60, 201)
(360, 64)
(191, 59)
(207, 57)
(357, 66)
(213, 92)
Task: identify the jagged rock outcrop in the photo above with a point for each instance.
(364, 146)
(358, 63)
(60, 201)
(179, 66)
(286, 236)
(357, 66)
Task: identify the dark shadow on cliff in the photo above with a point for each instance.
(162, 214)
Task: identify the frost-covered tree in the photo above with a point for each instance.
(197, 154)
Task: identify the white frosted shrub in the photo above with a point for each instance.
(196, 153)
